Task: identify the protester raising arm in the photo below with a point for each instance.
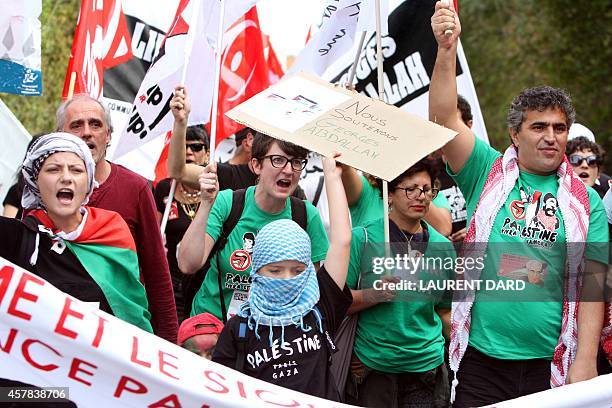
(196, 243)
(337, 259)
(352, 184)
(443, 87)
(186, 173)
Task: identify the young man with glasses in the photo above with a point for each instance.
(277, 166)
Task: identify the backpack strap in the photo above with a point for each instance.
(298, 212)
(241, 344)
(238, 198)
(329, 339)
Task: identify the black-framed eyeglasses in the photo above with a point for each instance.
(195, 147)
(415, 192)
(576, 160)
(279, 162)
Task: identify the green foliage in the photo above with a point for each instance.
(514, 44)
(58, 21)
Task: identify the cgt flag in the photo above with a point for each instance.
(275, 69)
(101, 41)
(189, 42)
(244, 70)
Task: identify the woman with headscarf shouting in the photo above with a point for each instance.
(86, 252)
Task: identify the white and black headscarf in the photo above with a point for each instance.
(40, 150)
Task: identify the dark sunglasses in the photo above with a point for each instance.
(195, 147)
(576, 160)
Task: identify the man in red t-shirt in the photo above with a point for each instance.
(127, 193)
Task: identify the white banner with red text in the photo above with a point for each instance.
(50, 339)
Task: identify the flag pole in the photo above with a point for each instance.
(381, 96)
(351, 78)
(447, 33)
(213, 126)
(188, 47)
(164, 221)
(71, 85)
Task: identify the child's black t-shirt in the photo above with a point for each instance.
(301, 363)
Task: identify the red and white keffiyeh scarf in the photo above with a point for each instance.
(573, 202)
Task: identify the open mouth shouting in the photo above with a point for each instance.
(65, 196)
(584, 176)
(284, 183)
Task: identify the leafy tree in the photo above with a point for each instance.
(514, 44)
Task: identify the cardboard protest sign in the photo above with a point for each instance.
(372, 136)
(51, 339)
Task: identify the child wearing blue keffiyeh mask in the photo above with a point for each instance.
(283, 333)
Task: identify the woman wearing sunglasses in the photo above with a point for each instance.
(185, 204)
(278, 166)
(586, 158)
(402, 364)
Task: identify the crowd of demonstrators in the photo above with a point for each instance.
(495, 353)
(402, 365)
(277, 166)
(128, 194)
(185, 204)
(244, 250)
(293, 308)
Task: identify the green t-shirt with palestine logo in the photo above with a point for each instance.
(235, 258)
(404, 335)
(527, 243)
(369, 206)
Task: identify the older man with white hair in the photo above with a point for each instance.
(129, 194)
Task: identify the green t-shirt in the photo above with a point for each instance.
(369, 206)
(529, 228)
(404, 335)
(235, 258)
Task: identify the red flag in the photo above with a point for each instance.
(101, 41)
(275, 69)
(161, 168)
(244, 70)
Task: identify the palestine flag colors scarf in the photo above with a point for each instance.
(104, 246)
